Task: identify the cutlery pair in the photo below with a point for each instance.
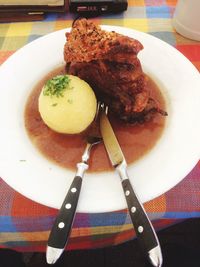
(144, 230)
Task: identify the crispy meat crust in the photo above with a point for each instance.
(87, 42)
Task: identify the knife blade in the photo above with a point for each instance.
(63, 223)
(145, 232)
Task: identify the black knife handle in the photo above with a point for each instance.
(62, 226)
(142, 225)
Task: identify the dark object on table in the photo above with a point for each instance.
(20, 11)
(97, 6)
(20, 16)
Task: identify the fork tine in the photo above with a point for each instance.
(94, 135)
(104, 107)
(97, 110)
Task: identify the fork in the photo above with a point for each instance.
(62, 226)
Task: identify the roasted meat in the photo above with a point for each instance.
(108, 62)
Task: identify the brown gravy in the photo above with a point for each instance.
(66, 150)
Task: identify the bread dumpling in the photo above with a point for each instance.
(67, 104)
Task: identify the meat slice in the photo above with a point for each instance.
(108, 62)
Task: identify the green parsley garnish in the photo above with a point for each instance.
(70, 101)
(54, 104)
(56, 86)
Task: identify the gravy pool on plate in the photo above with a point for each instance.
(66, 150)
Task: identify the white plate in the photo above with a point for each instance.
(175, 154)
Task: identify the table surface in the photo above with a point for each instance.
(24, 224)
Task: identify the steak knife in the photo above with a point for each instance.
(144, 230)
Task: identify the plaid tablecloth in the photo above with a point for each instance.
(24, 224)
